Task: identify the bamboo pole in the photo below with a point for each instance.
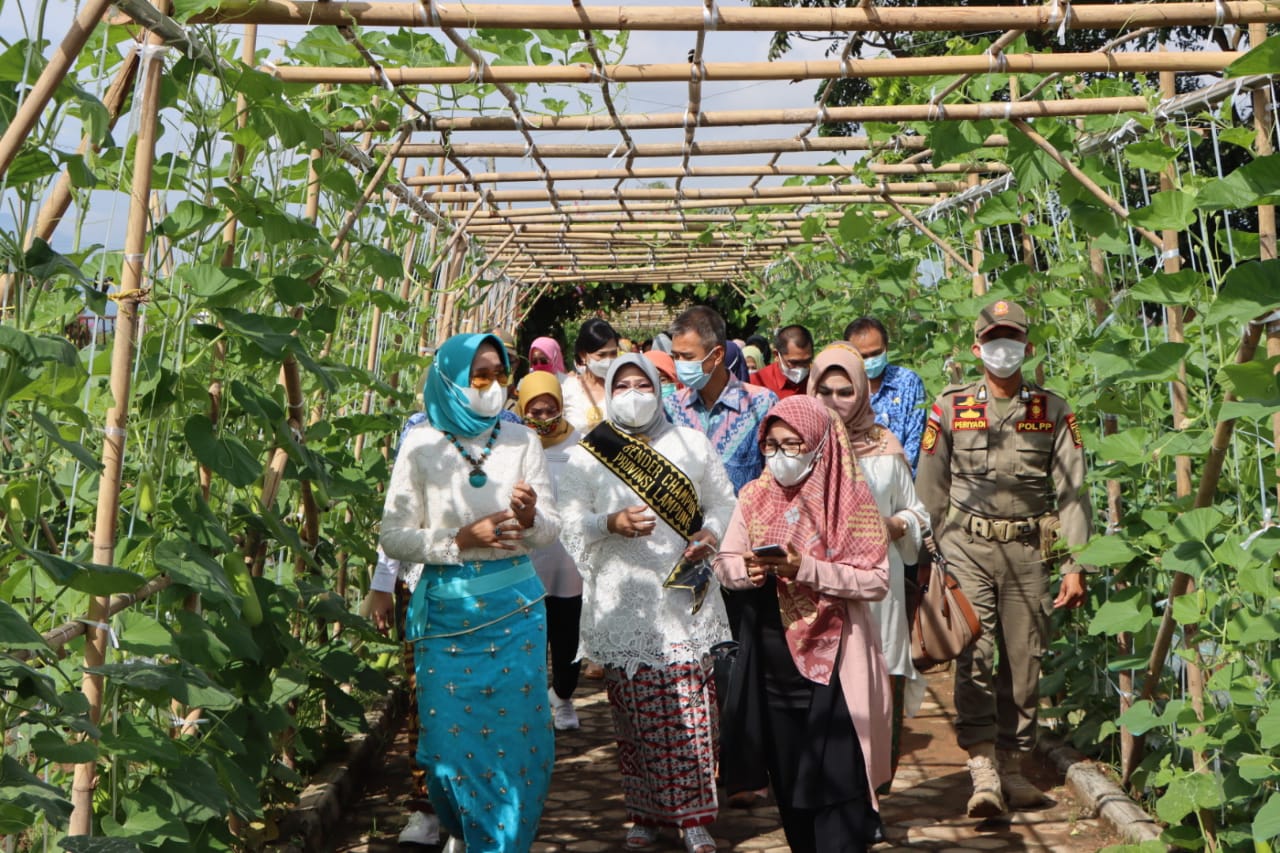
(586, 211)
(1115, 517)
(58, 637)
(130, 292)
(1174, 331)
(1200, 62)
(1088, 183)
(1264, 145)
(998, 110)
(28, 112)
(722, 193)
(1082, 16)
(979, 280)
(933, 238)
(653, 172)
(1205, 492)
(715, 148)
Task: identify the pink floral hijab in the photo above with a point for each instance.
(831, 515)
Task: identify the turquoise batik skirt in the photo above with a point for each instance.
(480, 654)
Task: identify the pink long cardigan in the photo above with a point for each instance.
(864, 677)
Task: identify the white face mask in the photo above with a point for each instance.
(600, 366)
(488, 402)
(634, 408)
(791, 470)
(1003, 356)
(796, 374)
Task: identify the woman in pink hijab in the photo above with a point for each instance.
(809, 690)
(544, 354)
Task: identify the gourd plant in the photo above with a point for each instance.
(246, 497)
(1146, 343)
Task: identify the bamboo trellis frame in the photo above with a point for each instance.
(654, 235)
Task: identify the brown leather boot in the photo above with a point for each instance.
(1018, 791)
(987, 800)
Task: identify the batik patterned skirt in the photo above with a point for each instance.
(666, 725)
(480, 652)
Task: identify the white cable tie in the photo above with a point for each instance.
(1066, 19)
(386, 81)
(1273, 317)
(103, 626)
(113, 432)
(846, 66)
(616, 148)
(710, 16)
(528, 150)
(1170, 255)
(476, 75)
(270, 66)
(1008, 110)
(1219, 13)
(433, 13)
(176, 722)
(422, 16)
(134, 257)
(823, 115)
(1267, 524)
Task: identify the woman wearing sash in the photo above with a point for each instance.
(542, 409)
(594, 351)
(810, 648)
(642, 497)
(839, 380)
(469, 498)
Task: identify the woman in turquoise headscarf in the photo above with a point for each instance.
(469, 498)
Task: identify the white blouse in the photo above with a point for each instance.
(430, 498)
(555, 566)
(890, 480)
(628, 619)
(578, 405)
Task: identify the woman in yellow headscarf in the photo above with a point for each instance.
(541, 407)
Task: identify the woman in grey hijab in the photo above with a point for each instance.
(639, 497)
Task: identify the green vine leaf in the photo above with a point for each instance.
(226, 456)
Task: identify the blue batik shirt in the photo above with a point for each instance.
(732, 425)
(900, 406)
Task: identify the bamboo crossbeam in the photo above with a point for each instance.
(802, 115)
(619, 227)
(714, 148)
(724, 193)
(1197, 62)
(716, 204)
(657, 172)
(1081, 16)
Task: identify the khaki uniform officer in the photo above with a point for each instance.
(1001, 461)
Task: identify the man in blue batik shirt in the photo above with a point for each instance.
(897, 394)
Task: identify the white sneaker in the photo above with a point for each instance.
(563, 716)
(422, 828)
(455, 845)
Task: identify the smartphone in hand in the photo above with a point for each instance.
(769, 551)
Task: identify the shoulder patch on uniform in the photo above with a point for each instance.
(1075, 430)
(929, 442)
(935, 414)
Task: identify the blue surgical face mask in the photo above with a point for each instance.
(690, 373)
(876, 364)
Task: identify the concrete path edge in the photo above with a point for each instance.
(321, 806)
(1093, 787)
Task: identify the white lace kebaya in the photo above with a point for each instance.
(628, 619)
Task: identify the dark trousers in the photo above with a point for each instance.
(837, 827)
(563, 615)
